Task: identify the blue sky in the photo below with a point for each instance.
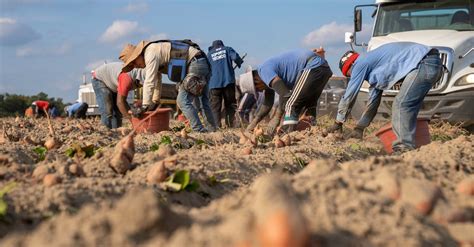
(48, 45)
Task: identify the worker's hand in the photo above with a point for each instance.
(253, 123)
(138, 111)
(357, 133)
(336, 127)
(320, 51)
(273, 125)
(152, 106)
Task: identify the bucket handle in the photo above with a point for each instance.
(146, 118)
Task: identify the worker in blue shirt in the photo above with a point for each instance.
(418, 65)
(222, 82)
(298, 77)
(77, 110)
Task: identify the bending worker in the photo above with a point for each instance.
(419, 65)
(184, 63)
(105, 80)
(298, 77)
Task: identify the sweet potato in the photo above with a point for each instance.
(123, 155)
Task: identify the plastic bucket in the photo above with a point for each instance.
(422, 135)
(158, 122)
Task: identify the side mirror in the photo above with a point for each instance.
(349, 37)
(358, 20)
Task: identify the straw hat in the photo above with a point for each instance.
(130, 53)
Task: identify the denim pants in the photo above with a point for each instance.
(110, 115)
(185, 99)
(226, 94)
(408, 101)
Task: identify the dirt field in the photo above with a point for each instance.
(318, 191)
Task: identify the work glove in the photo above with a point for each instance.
(357, 133)
(274, 122)
(336, 127)
(273, 125)
(152, 106)
(254, 123)
(138, 111)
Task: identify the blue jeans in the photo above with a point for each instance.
(408, 102)
(185, 99)
(110, 115)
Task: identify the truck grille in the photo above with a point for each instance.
(446, 55)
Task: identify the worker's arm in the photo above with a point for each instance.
(123, 105)
(375, 97)
(235, 57)
(269, 98)
(152, 83)
(359, 71)
(282, 90)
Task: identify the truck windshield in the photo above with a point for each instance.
(401, 17)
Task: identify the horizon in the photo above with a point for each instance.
(46, 45)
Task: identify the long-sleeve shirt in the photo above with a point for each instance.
(222, 69)
(381, 68)
(157, 57)
(109, 73)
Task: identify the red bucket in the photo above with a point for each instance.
(422, 135)
(158, 122)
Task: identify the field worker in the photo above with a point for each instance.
(105, 81)
(222, 82)
(246, 105)
(419, 65)
(29, 112)
(77, 110)
(53, 111)
(184, 63)
(40, 107)
(297, 76)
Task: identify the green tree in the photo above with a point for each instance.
(15, 104)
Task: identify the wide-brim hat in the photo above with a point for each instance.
(130, 52)
(246, 83)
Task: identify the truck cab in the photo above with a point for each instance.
(447, 25)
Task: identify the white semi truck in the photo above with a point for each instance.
(447, 25)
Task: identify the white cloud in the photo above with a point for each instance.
(331, 37)
(332, 34)
(120, 30)
(14, 33)
(326, 35)
(136, 7)
(31, 51)
(159, 36)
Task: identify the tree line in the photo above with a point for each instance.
(16, 104)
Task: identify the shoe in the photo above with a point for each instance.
(289, 120)
(399, 150)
